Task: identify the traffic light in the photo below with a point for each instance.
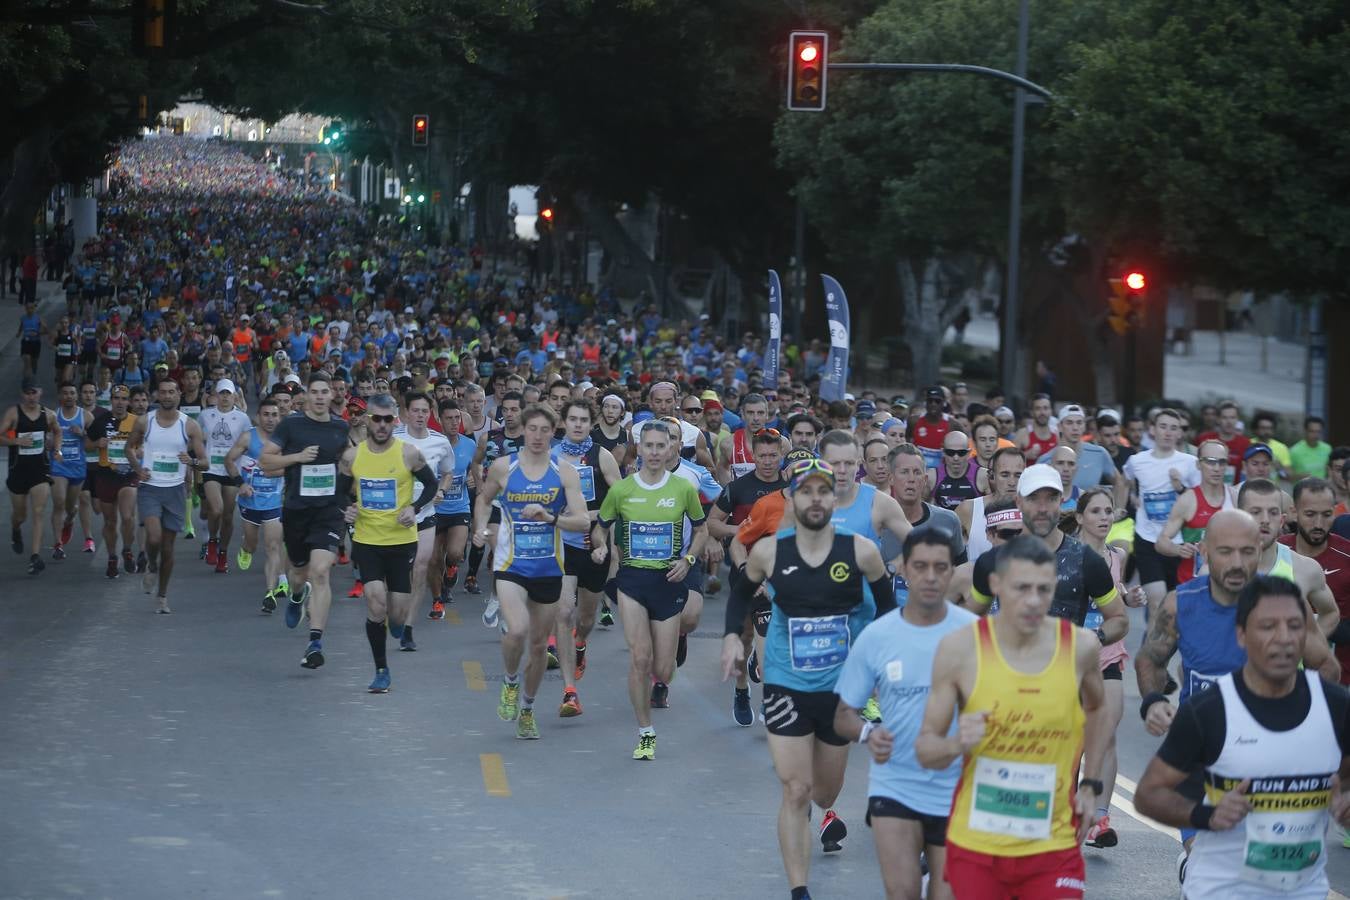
(421, 126)
(808, 53)
(1126, 301)
(152, 26)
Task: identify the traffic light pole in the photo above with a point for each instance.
(997, 74)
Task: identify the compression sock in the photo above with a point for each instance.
(316, 634)
(475, 560)
(375, 633)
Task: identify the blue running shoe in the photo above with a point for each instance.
(313, 655)
(296, 607)
(381, 683)
(395, 631)
(406, 643)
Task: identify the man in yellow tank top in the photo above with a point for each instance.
(1019, 813)
(381, 470)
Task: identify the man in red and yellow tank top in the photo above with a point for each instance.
(1019, 812)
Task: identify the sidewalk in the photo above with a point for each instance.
(1199, 378)
(51, 303)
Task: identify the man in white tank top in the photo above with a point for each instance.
(221, 426)
(1004, 471)
(159, 448)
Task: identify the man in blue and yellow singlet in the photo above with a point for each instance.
(381, 469)
(538, 498)
(1031, 700)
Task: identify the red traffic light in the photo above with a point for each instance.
(420, 123)
(546, 213)
(808, 53)
(1136, 281)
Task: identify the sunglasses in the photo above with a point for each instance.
(1214, 460)
(382, 419)
(693, 409)
(803, 467)
(771, 432)
(947, 451)
(1005, 421)
(1008, 534)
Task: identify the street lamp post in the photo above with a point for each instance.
(1012, 369)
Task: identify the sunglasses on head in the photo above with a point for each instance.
(1008, 534)
(381, 419)
(948, 451)
(1214, 460)
(771, 432)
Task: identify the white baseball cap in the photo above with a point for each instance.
(1039, 476)
(225, 384)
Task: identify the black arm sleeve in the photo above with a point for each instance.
(883, 594)
(1341, 633)
(1195, 737)
(429, 487)
(739, 602)
(343, 487)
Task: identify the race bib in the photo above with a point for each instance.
(117, 451)
(456, 489)
(37, 447)
(1158, 504)
(817, 642)
(1093, 620)
(114, 352)
(162, 462)
(651, 540)
(1012, 798)
(587, 476)
(378, 493)
(1199, 682)
(65, 349)
(217, 458)
(1282, 849)
(533, 540)
(318, 481)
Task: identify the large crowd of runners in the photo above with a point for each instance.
(287, 381)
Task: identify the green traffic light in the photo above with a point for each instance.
(421, 198)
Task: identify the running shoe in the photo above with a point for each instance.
(606, 616)
(142, 562)
(58, 553)
(714, 584)
(681, 650)
(451, 573)
(112, 567)
(16, 540)
(283, 587)
(646, 748)
(296, 607)
(163, 607)
(188, 532)
(832, 831)
(553, 654)
(212, 552)
(222, 565)
(357, 590)
(571, 705)
(35, 564)
(437, 610)
(381, 683)
(313, 655)
(148, 582)
(490, 612)
(508, 707)
(660, 695)
(471, 584)
(128, 562)
(871, 711)
(88, 545)
(243, 559)
(581, 662)
(406, 642)
(343, 559)
(740, 708)
(270, 601)
(67, 531)
(752, 666)
(526, 728)
(1101, 835)
(395, 631)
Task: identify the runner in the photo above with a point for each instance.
(499, 443)
(453, 510)
(1227, 433)
(826, 584)
(1192, 511)
(1269, 742)
(30, 333)
(1005, 470)
(1029, 691)
(907, 807)
(29, 430)
(115, 480)
(260, 497)
(954, 482)
(162, 446)
(307, 447)
(538, 499)
(1037, 439)
(1314, 508)
(609, 432)
(436, 451)
(724, 521)
(648, 510)
(584, 579)
(1095, 465)
(928, 431)
(222, 425)
(385, 542)
(70, 473)
(738, 457)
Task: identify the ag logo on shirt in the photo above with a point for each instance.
(839, 572)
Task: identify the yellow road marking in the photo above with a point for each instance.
(494, 774)
(452, 617)
(473, 675)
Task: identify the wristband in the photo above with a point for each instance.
(1150, 699)
(866, 731)
(1201, 813)
(1094, 783)
(1101, 636)
(691, 559)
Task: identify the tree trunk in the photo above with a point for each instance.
(618, 243)
(932, 290)
(28, 180)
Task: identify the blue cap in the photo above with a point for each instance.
(865, 409)
(1255, 449)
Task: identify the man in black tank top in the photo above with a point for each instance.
(35, 434)
(818, 577)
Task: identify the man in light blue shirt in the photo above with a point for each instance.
(1095, 466)
(907, 805)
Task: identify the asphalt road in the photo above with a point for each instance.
(190, 755)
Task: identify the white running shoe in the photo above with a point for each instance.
(490, 612)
